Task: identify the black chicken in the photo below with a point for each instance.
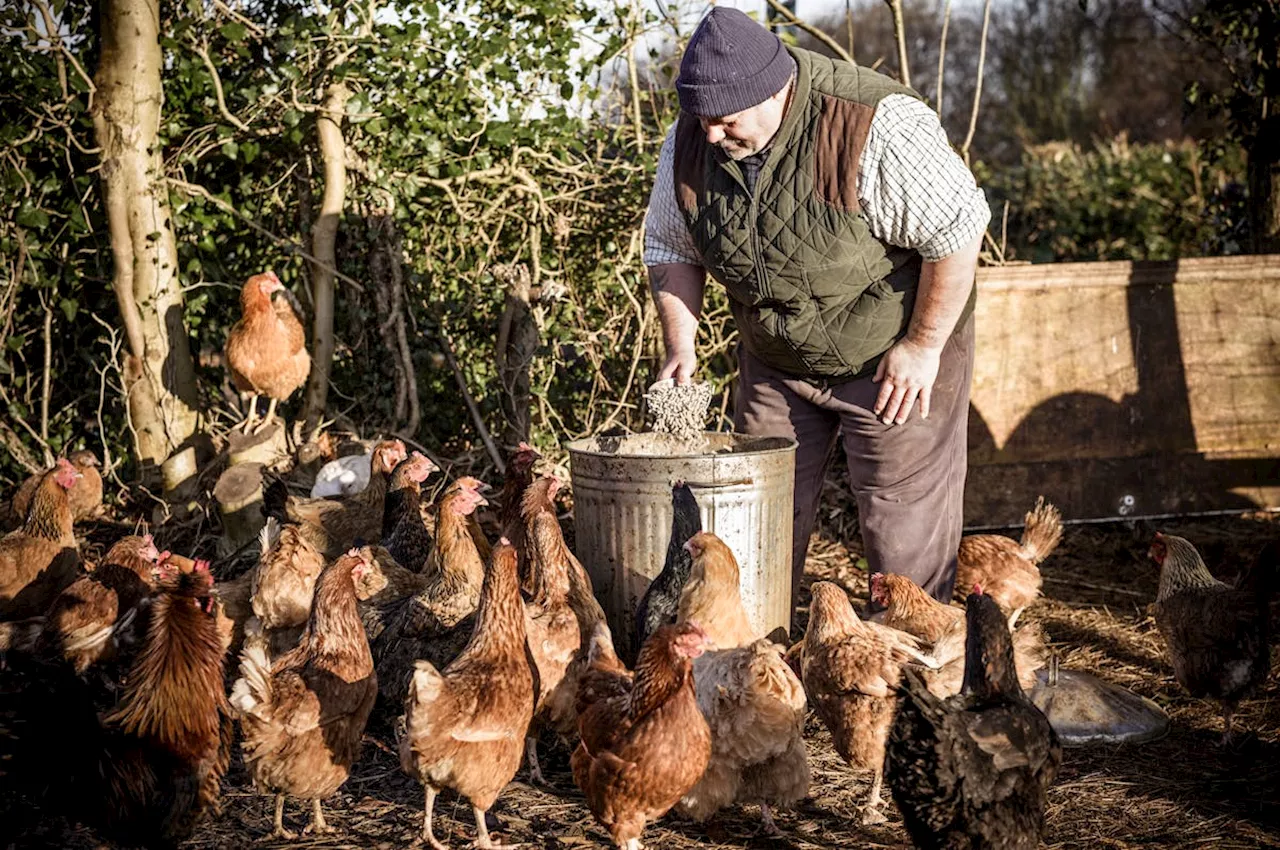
(661, 601)
(972, 771)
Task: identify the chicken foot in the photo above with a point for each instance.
(251, 403)
(318, 825)
(535, 767)
(871, 813)
(483, 841)
(769, 825)
(269, 418)
(1228, 712)
(280, 831)
(427, 808)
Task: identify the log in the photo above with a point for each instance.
(239, 497)
(266, 449)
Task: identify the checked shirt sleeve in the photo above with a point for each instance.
(666, 236)
(915, 190)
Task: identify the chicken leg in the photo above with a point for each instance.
(871, 813)
(251, 413)
(483, 841)
(269, 418)
(770, 826)
(427, 808)
(535, 767)
(1228, 711)
(317, 825)
(280, 831)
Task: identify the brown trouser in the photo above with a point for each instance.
(908, 479)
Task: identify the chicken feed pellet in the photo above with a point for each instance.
(679, 409)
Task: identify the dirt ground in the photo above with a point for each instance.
(1182, 791)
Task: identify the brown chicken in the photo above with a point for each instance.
(555, 637)
(404, 535)
(1218, 634)
(284, 580)
(334, 526)
(644, 741)
(753, 702)
(266, 350)
(91, 618)
(85, 497)
(303, 716)
(851, 674)
(465, 728)
(40, 559)
(1009, 570)
(511, 500)
(908, 608)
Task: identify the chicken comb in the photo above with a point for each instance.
(977, 589)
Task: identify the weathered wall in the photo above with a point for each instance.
(1124, 389)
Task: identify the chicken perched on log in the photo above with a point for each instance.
(140, 761)
(1009, 570)
(1218, 634)
(645, 742)
(432, 624)
(404, 535)
(90, 620)
(851, 673)
(661, 601)
(334, 526)
(303, 716)
(39, 560)
(973, 770)
(266, 350)
(942, 627)
(85, 497)
(753, 702)
(464, 728)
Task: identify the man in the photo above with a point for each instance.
(827, 201)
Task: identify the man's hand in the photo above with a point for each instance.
(681, 364)
(906, 372)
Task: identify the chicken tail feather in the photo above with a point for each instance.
(1042, 532)
(251, 693)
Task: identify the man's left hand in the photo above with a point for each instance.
(906, 372)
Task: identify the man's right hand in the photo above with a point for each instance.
(680, 365)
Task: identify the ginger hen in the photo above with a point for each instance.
(303, 716)
(973, 770)
(39, 559)
(266, 351)
(1009, 570)
(464, 728)
(644, 742)
(851, 674)
(753, 702)
(1218, 634)
(85, 497)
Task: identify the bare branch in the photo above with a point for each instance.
(900, 36)
(447, 344)
(828, 41)
(942, 53)
(202, 50)
(977, 86)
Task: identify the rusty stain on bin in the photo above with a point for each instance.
(622, 516)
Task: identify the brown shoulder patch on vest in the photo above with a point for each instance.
(687, 162)
(842, 134)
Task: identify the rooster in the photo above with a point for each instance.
(266, 350)
(973, 770)
(1218, 634)
(464, 728)
(303, 716)
(40, 559)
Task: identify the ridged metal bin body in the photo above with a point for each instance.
(622, 518)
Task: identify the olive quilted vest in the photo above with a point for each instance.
(813, 293)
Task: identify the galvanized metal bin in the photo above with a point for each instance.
(622, 517)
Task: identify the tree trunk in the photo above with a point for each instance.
(126, 120)
(324, 234)
(1264, 188)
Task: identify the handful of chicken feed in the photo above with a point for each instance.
(679, 409)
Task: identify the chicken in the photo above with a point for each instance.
(334, 526)
(753, 702)
(85, 497)
(266, 351)
(518, 478)
(553, 632)
(432, 623)
(973, 770)
(1218, 634)
(404, 535)
(661, 601)
(141, 761)
(40, 559)
(645, 742)
(464, 727)
(710, 597)
(851, 672)
(303, 716)
(942, 627)
(89, 620)
(284, 580)
(1009, 570)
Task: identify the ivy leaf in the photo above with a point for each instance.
(32, 216)
(233, 32)
(69, 308)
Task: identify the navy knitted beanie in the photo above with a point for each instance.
(732, 63)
